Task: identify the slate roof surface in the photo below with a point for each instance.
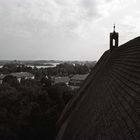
(107, 106)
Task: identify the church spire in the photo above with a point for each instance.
(114, 39)
(114, 28)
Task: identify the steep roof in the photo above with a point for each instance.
(107, 106)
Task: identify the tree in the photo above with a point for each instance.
(11, 80)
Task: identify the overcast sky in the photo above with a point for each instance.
(64, 29)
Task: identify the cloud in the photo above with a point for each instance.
(34, 15)
(90, 7)
(48, 27)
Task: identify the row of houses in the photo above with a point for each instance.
(18, 75)
(74, 81)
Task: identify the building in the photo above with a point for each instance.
(23, 75)
(107, 106)
(64, 79)
(76, 81)
(18, 75)
(114, 39)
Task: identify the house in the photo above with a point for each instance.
(64, 79)
(23, 75)
(18, 75)
(77, 80)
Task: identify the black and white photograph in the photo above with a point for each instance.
(69, 70)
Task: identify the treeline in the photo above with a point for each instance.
(66, 69)
(30, 109)
(63, 69)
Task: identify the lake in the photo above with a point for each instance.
(51, 66)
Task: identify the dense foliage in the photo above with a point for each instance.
(63, 69)
(31, 109)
